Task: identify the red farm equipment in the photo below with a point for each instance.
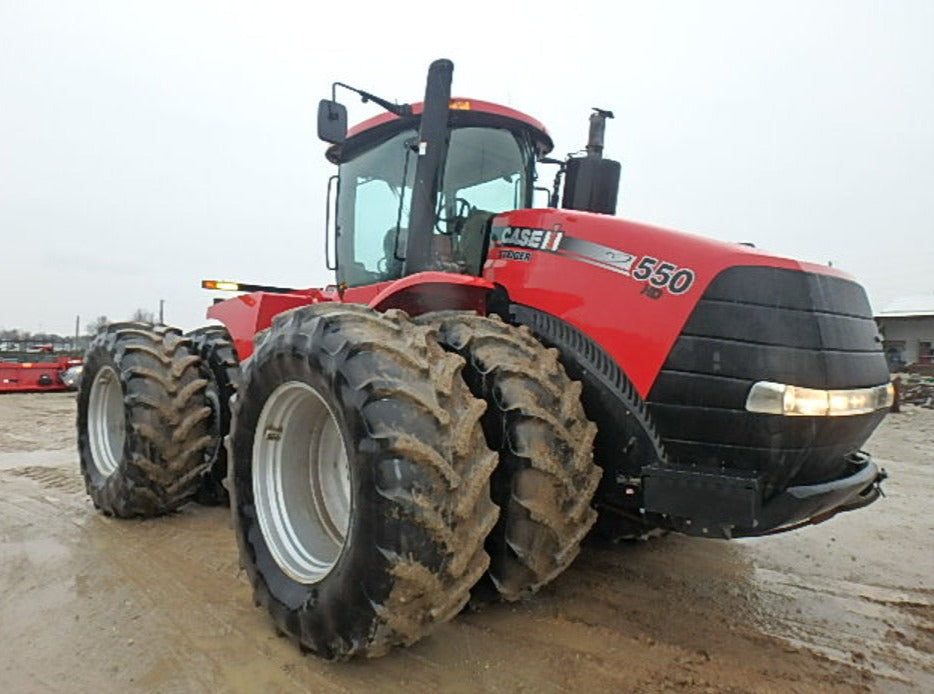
(485, 382)
(38, 372)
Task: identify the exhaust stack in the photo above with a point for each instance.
(433, 138)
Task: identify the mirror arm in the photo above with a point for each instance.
(398, 109)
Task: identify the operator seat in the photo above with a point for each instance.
(473, 240)
(392, 265)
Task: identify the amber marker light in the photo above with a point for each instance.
(221, 285)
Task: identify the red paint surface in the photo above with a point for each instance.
(637, 331)
(24, 376)
(457, 103)
(634, 329)
(424, 291)
(248, 314)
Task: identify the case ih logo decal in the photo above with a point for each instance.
(659, 275)
(538, 239)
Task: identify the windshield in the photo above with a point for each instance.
(487, 172)
(486, 168)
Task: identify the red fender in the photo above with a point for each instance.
(425, 291)
(248, 314)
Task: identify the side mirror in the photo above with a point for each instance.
(332, 121)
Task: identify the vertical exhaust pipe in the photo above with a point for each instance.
(433, 137)
(596, 133)
(591, 182)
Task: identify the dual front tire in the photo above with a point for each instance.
(360, 480)
(546, 477)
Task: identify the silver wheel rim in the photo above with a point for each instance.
(106, 421)
(301, 482)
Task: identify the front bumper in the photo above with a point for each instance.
(815, 503)
(720, 504)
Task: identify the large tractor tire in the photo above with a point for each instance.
(359, 479)
(221, 368)
(546, 477)
(142, 420)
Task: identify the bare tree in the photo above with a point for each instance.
(98, 324)
(144, 315)
(13, 335)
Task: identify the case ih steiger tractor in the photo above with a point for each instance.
(483, 383)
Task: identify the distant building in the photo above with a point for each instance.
(907, 327)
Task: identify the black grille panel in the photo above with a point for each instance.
(801, 366)
(768, 324)
(794, 327)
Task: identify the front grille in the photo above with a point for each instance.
(768, 324)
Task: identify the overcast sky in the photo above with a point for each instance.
(145, 146)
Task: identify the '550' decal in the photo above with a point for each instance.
(663, 275)
(659, 275)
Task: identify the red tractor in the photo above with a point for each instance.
(485, 382)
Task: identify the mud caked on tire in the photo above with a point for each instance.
(546, 477)
(360, 479)
(142, 420)
(221, 368)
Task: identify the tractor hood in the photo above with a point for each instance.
(626, 283)
(728, 346)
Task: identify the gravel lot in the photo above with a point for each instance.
(92, 604)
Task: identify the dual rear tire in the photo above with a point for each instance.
(153, 411)
(367, 502)
(143, 422)
(221, 368)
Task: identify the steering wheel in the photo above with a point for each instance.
(462, 210)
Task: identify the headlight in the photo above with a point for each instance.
(72, 377)
(777, 398)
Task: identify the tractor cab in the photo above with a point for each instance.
(488, 167)
(419, 185)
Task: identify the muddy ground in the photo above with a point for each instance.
(92, 604)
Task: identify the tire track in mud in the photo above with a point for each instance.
(92, 604)
(149, 564)
(186, 593)
(903, 653)
(173, 573)
(181, 573)
(686, 605)
(51, 478)
(859, 590)
(34, 421)
(44, 618)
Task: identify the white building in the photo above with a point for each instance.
(907, 326)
